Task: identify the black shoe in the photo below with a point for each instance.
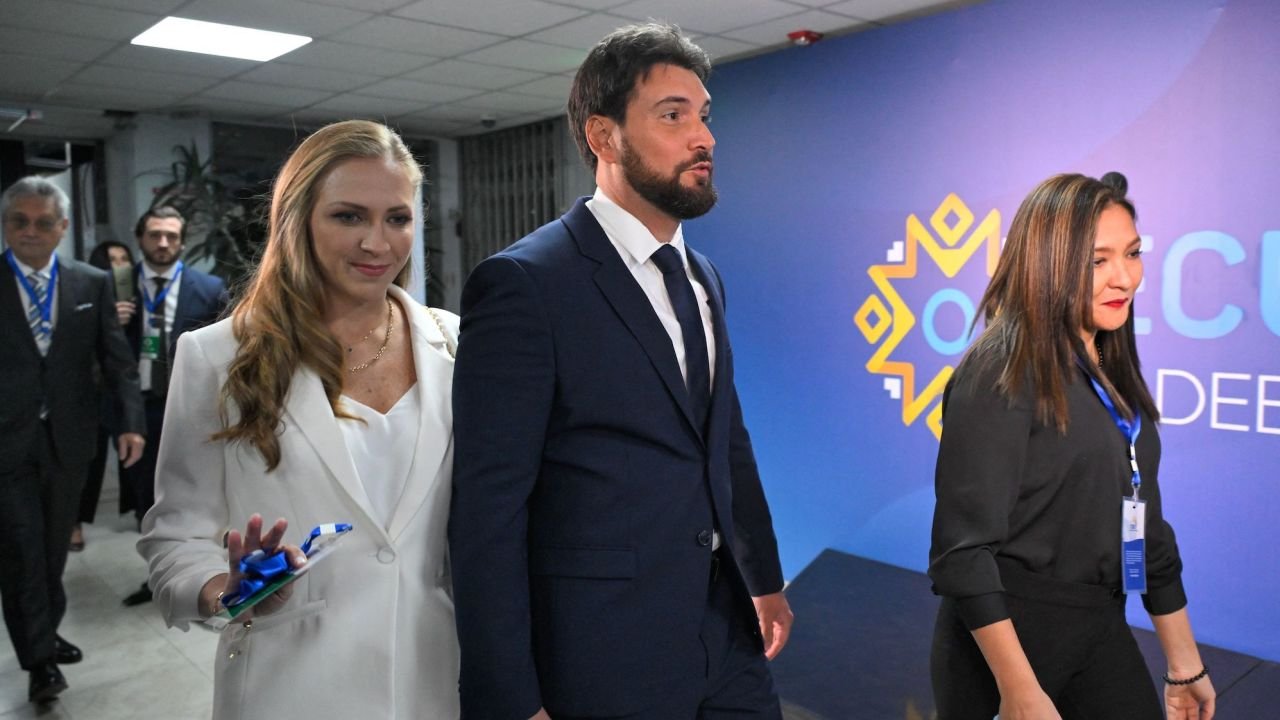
(46, 682)
(140, 596)
(64, 652)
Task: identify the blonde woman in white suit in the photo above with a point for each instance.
(324, 398)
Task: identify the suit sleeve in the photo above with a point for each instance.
(756, 549)
(119, 365)
(182, 533)
(503, 388)
(980, 460)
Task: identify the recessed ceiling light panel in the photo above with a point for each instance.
(175, 33)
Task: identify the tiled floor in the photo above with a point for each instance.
(134, 667)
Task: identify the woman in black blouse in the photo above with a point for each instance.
(1033, 478)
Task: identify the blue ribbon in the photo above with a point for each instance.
(1129, 429)
(45, 307)
(147, 301)
(259, 569)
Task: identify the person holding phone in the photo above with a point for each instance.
(1048, 502)
(324, 398)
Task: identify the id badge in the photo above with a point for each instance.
(151, 347)
(1133, 550)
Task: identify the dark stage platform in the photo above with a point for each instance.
(860, 649)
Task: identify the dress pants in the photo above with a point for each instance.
(1076, 639)
(138, 483)
(736, 682)
(39, 500)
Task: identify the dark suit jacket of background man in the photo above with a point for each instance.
(201, 300)
(568, 397)
(86, 333)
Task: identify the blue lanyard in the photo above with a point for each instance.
(259, 568)
(46, 306)
(147, 301)
(1129, 429)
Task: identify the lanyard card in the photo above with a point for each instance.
(151, 347)
(317, 554)
(1133, 550)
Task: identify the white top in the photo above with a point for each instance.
(636, 246)
(170, 311)
(382, 449)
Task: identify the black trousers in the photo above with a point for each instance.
(138, 483)
(93, 478)
(39, 500)
(737, 683)
(1077, 640)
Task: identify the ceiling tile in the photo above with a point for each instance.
(720, 48)
(450, 112)
(150, 80)
(582, 33)
(553, 86)
(38, 77)
(357, 58)
(505, 17)
(879, 10)
(57, 16)
(414, 36)
(266, 94)
(591, 4)
(423, 93)
(411, 125)
(468, 74)
(47, 44)
(773, 32)
(369, 107)
(216, 106)
(706, 16)
(112, 98)
(373, 6)
(289, 16)
(510, 102)
(158, 7)
(146, 58)
(526, 55)
(302, 76)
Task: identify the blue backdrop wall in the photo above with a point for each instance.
(865, 185)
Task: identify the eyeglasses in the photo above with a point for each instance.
(22, 222)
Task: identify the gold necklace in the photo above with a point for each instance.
(385, 341)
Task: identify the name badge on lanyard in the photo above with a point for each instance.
(151, 329)
(1133, 511)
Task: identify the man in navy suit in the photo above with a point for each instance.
(170, 299)
(612, 551)
(57, 323)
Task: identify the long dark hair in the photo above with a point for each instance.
(100, 257)
(1040, 299)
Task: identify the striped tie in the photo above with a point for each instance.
(41, 330)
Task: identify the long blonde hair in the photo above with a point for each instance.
(278, 321)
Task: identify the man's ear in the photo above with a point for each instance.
(601, 138)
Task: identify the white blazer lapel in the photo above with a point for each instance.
(309, 410)
(434, 367)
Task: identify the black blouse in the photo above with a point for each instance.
(1008, 485)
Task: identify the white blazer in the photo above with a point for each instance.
(369, 632)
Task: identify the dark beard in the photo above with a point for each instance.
(666, 193)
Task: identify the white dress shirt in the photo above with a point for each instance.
(26, 271)
(636, 246)
(170, 311)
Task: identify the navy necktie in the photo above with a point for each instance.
(160, 366)
(685, 303)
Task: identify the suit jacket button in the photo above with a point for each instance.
(386, 555)
(704, 538)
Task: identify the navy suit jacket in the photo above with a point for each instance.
(201, 300)
(584, 496)
(86, 335)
